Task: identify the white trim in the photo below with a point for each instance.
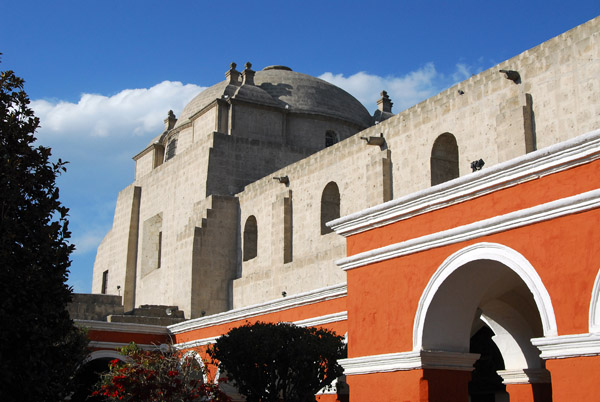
(526, 376)
(117, 345)
(322, 320)
(487, 251)
(272, 306)
(524, 217)
(122, 327)
(565, 346)
(103, 354)
(594, 318)
(577, 151)
(196, 343)
(309, 322)
(409, 361)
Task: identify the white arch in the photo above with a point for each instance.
(486, 251)
(594, 324)
(198, 358)
(104, 354)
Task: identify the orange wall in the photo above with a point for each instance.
(397, 386)
(575, 379)
(384, 296)
(289, 315)
(126, 337)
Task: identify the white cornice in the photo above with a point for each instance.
(122, 327)
(562, 156)
(196, 343)
(525, 376)
(322, 320)
(409, 361)
(117, 345)
(539, 213)
(565, 346)
(310, 322)
(285, 303)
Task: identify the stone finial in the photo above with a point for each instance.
(248, 75)
(170, 120)
(233, 75)
(384, 103)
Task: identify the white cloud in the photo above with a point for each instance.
(130, 112)
(405, 91)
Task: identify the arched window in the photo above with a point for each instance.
(250, 238)
(331, 138)
(330, 206)
(444, 159)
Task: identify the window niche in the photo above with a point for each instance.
(171, 148)
(152, 244)
(444, 159)
(104, 282)
(250, 238)
(330, 206)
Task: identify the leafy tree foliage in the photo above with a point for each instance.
(157, 376)
(273, 362)
(40, 346)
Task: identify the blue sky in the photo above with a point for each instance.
(103, 74)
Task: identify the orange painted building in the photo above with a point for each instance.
(511, 251)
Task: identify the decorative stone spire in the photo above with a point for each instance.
(384, 103)
(170, 120)
(248, 75)
(233, 75)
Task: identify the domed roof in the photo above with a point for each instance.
(301, 93)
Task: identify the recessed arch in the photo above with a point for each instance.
(330, 206)
(495, 256)
(250, 238)
(444, 159)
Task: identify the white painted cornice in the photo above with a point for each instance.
(409, 361)
(323, 320)
(118, 345)
(525, 376)
(565, 346)
(310, 322)
(285, 303)
(539, 213)
(562, 156)
(196, 343)
(122, 327)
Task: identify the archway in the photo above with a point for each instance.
(493, 288)
(89, 374)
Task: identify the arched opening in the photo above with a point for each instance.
(487, 299)
(330, 206)
(331, 138)
(89, 374)
(250, 238)
(444, 159)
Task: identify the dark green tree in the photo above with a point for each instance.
(274, 362)
(40, 347)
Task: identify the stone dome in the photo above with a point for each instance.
(301, 93)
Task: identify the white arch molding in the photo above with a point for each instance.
(494, 252)
(594, 318)
(104, 354)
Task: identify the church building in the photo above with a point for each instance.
(455, 244)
